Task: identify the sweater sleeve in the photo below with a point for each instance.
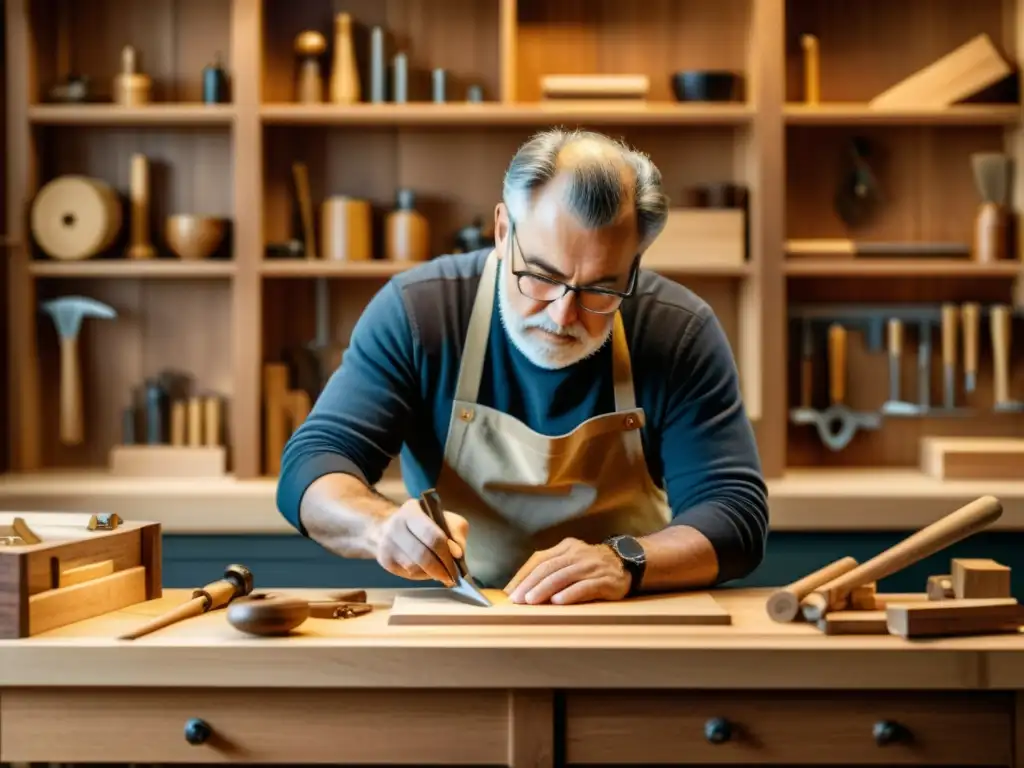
(357, 424)
(711, 464)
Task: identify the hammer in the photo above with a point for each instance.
(67, 313)
(237, 582)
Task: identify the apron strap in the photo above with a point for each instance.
(475, 350)
(622, 368)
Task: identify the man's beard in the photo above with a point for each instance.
(550, 355)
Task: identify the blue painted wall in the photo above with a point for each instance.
(291, 561)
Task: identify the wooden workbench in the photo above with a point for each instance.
(360, 691)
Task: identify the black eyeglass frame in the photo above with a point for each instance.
(519, 274)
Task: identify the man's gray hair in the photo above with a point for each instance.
(595, 194)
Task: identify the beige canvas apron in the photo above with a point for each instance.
(522, 491)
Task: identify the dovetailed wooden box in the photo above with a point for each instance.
(73, 573)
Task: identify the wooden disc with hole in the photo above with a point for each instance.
(76, 217)
(268, 616)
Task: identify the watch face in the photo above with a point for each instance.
(629, 548)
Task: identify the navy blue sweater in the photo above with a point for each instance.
(393, 393)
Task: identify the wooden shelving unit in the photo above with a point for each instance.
(222, 319)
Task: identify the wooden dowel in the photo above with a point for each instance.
(948, 530)
(784, 604)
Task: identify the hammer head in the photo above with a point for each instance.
(67, 313)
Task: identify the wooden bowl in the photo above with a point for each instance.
(192, 237)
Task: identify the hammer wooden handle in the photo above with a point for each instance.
(71, 427)
(784, 604)
(948, 530)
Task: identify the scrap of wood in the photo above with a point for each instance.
(426, 606)
(59, 607)
(885, 599)
(963, 72)
(980, 578)
(854, 623)
(862, 598)
(940, 587)
(954, 617)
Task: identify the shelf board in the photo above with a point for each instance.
(496, 113)
(157, 268)
(113, 114)
(816, 500)
(321, 268)
(862, 114)
(845, 266)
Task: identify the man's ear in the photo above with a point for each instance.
(501, 227)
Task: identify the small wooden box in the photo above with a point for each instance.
(190, 461)
(74, 573)
(699, 237)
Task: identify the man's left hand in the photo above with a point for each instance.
(570, 572)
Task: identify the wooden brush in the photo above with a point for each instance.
(991, 225)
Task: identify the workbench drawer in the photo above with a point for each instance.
(447, 727)
(789, 728)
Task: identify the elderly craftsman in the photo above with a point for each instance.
(580, 417)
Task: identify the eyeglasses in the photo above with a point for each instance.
(600, 301)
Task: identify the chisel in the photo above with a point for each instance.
(894, 406)
(465, 587)
(970, 315)
(950, 317)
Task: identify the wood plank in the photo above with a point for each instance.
(972, 458)
(437, 607)
(954, 617)
(854, 623)
(59, 607)
(984, 578)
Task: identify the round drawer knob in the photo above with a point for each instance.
(197, 731)
(887, 732)
(717, 730)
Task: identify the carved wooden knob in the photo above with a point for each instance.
(197, 731)
(717, 730)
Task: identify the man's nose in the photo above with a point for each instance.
(564, 311)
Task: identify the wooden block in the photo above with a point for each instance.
(862, 598)
(940, 587)
(83, 573)
(954, 617)
(885, 599)
(700, 237)
(60, 607)
(980, 578)
(973, 66)
(168, 461)
(427, 606)
(972, 458)
(616, 87)
(854, 623)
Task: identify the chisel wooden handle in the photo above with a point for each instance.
(948, 530)
(1000, 322)
(949, 337)
(837, 363)
(784, 604)
(812, 69)
(895, 337)
(970, 315)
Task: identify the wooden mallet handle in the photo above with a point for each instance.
(784, 604)
(948, 530)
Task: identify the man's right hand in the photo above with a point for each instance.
(412, 546)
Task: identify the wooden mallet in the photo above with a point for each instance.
(948, 530)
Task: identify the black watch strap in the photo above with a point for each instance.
(634, 559)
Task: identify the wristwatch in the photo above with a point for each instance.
(634, 559)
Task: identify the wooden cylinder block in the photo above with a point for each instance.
(346, 229)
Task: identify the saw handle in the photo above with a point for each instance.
(949, 324)
(71, 427)
(837, 363)
(1000, 322)
(970, 314)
